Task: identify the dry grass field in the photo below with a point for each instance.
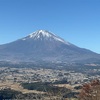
(18, 87)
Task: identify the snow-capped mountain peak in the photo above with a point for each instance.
(40, 33)
(45, 35)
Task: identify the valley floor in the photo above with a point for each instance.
(22, 80)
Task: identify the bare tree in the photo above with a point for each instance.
(90, 91)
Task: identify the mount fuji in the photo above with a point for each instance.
(45, 46)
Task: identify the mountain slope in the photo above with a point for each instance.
(45, 46)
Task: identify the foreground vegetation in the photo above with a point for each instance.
(89, 91)
(48, 84)
(48, 92)
(50, 89)
(8, 94)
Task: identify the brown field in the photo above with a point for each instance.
(17, 87)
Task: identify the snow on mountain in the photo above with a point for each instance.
(42, 34)
(39, 33)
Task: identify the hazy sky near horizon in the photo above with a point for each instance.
(76, 21)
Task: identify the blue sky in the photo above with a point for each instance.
(77, 21)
